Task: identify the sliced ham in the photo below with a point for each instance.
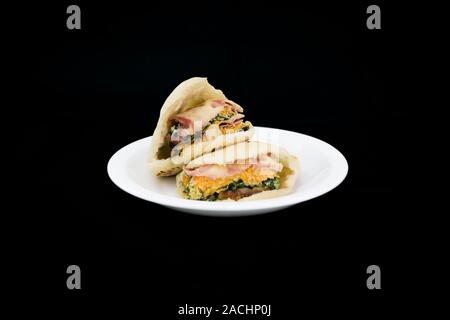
(231, 123)
(236, 117)
(205, 113)
(214, 171)
(200, 116)
(268, 163)
(218, 103)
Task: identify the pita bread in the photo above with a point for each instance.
(197, 149)
(241, 153)
(190, 93)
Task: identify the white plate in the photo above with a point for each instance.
(322, 168)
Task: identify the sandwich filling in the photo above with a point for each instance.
(213, 182)
(202, 123)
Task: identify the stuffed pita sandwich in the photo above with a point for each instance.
(245, 171)
(195, 119)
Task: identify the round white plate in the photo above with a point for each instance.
(322, 168)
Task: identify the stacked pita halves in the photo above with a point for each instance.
(202, 137)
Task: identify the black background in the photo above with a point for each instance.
(314, 69)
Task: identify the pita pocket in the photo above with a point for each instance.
(195, 119)
(245, 171)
